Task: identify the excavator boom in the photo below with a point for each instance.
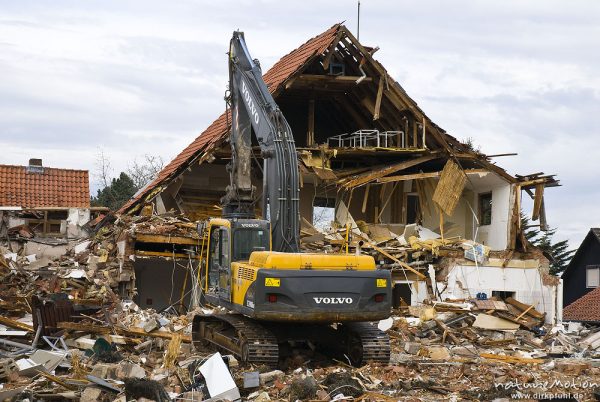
(253, 108)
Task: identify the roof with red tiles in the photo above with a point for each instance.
(52, 187)
(584, 309)
(217, 131)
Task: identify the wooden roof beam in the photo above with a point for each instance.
(372, 176)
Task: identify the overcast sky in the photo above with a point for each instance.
(146, 77)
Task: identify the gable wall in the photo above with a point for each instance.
(575, 281)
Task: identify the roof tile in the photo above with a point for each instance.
(585, 308)
(53, 188)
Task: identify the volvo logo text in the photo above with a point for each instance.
(250, 102)
(333, 300)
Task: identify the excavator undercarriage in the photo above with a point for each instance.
(267, 343)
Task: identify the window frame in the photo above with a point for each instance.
(589, 268)
(481, 209)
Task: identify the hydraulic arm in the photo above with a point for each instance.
(253, 108)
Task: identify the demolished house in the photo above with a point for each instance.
(43, 208)
(442, 216)
(471, 295)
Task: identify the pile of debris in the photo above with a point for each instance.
(409, 247)
(67, 330)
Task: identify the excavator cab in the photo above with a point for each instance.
(231, 241)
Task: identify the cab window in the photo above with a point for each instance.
(219, 251)
(248, 240)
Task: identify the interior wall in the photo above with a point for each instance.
(159, 284)
(465, 281)
(496, 235)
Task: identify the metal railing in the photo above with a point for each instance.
(370, 139)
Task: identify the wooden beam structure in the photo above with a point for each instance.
(167, 239)
(426, 175)
(373, 176)
(378, 99)
(317, 81)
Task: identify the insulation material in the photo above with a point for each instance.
(450, 187)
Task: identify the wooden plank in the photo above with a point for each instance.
(167, 239)
(15, 324)
(365, 199)
(378, 99)
(415, 176)
(525, 307)
(511, 359)
(415, 134)
(56, 380)
(310, 133)
(537, 202)
(372, 176)
(331, 49)
(130, 332)
(329, 79)
(145, 253)
(523, 313)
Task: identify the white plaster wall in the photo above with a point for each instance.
(465, 281)
(75, 220)
(496, 235)
(12, 222)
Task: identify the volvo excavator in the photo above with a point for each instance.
(277, 296)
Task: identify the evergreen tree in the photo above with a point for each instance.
(560, 252)
(117, 193)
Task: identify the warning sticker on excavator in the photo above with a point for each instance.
(381, 283)
(274, 282)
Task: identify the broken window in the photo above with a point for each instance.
(592, 276)
(46, 222)
(323, 212)
(503, 294)
(485, 209)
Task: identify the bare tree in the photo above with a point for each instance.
(104, 171)
(142, 172)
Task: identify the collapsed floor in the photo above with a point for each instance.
(67, 332)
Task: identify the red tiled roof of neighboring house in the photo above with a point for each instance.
(586, 308)
(51, 188)
(217, 131)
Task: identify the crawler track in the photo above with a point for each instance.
(254, 343)
(248, 340)
(367, 343)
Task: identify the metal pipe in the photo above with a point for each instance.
(15, 344)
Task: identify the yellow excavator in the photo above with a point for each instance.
(275, 294)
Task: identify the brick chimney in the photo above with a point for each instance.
(35, 166)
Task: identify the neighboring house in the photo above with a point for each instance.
(582, 275)
(585, 309)
(51, 202)
(364, 144)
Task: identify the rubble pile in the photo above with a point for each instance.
(414, 247)
(67, 331)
